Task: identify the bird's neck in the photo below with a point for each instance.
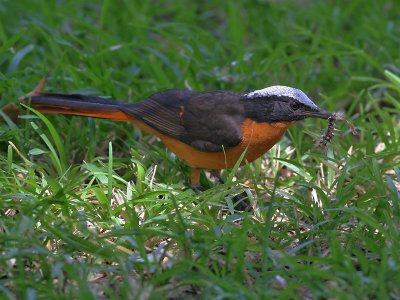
(258, 111)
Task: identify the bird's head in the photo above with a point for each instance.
(282, 104)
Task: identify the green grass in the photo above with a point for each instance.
(97, 209)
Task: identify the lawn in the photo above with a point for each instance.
(95, 209)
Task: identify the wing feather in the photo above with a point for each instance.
(208, 121)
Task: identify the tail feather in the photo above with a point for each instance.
(79, 105)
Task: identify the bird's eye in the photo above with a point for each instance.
(295, 105)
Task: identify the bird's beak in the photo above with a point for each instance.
(318, 113)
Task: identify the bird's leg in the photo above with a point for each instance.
(195, 177)
(241, 200)
(195, 180)
(217, 174)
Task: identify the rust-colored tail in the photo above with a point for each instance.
(79, 105)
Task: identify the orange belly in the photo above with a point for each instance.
(259, 137)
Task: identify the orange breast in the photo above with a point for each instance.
(260, 137)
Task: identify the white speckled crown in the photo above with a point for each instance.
(282, 91)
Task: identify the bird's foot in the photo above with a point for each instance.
(240, 201)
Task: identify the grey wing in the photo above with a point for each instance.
(207, 121)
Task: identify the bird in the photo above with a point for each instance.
(206, 129)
